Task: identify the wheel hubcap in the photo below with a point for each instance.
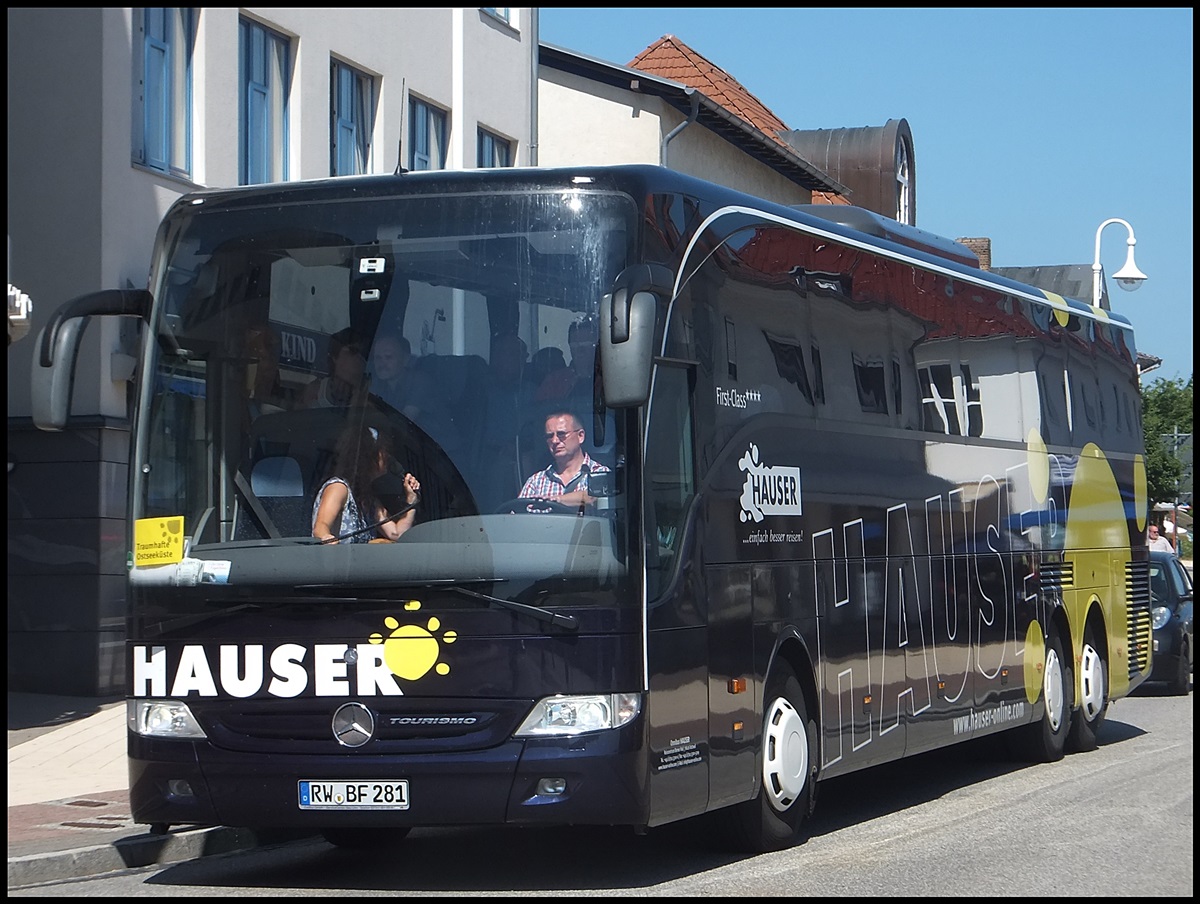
(1091, 673)
(1052, 687)
(785, 755)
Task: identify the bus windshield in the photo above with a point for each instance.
(448, 326)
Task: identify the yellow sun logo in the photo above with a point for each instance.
(410, 650)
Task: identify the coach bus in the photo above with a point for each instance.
(860, 499)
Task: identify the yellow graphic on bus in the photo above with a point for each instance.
(1035, 659)
(1097, 540)
(158, 541)
(410, 651)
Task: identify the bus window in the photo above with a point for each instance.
(669, 473)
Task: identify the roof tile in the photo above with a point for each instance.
(671, 58)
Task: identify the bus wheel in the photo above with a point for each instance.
(1093, 697)
(771, 821)
(1045, 740)
(364, 839)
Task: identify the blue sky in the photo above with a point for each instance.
(1030, 126)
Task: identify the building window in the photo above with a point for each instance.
(426, 137)
(163, 93)
(871, 383)
(789, 364)
(500, 12)
(818, 381)
(972, 405)
(264, 76)
(1085, 397)
(949, 401)
(903, 184)
(352, 108)
(938, 403)
(493, 150)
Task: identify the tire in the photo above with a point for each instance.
(364, 839)
(772, 820)
(1181, 682)
(1088, 718)
(1045, 741)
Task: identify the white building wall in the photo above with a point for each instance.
(574, 112)
(583, 123)
(501, 99)
(702, 153)
(70, 166)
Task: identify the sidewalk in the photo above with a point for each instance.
(68, 796)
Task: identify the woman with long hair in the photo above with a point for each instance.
(347, 505)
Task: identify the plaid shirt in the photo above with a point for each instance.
(547, 485)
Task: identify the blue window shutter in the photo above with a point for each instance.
(156, 95)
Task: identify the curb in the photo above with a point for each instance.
(139, 850)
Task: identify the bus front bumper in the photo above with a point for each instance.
(602, 776)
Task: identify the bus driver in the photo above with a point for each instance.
(565, 480)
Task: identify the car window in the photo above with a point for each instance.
(1158, 583)
(1179, 577)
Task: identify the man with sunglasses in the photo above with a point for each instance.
(565, 481)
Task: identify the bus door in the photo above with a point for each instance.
(677, 637)
(733, 591)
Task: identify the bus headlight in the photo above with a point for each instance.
(162, 719)
(562, 716)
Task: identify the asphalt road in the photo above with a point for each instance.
(1113, 822)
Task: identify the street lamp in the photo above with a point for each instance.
(1128, 277)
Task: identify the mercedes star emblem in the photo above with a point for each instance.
(353, 725)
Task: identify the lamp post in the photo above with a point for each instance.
(1128, 277)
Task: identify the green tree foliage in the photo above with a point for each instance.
(1166, 407)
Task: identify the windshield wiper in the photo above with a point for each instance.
(570, 622)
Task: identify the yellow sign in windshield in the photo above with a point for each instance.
(158, 541)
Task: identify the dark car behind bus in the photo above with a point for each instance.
(1171, 609)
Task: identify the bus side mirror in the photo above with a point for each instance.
(51, 385)
(627, 347)
(52, 371)
(627, 316)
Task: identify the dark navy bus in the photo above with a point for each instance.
(861, 499)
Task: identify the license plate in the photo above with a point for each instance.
(364, 794)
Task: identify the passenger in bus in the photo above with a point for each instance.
(395, 378)
(545, 361)
(505, 393)
(347, 509)
(565, 480)
(266, 392)
(582, 337)
(505, 397)
(345, 381)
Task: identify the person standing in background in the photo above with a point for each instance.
(1155, 540)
